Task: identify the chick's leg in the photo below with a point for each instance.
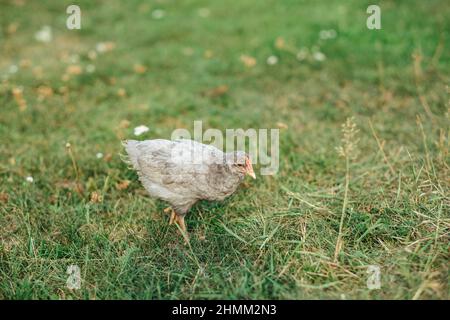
(179, 219)
(172, 214)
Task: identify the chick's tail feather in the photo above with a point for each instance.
(131, 157)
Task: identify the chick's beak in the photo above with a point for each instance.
(249, 169)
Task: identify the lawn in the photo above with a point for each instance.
(311, 231)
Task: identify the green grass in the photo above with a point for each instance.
(276, 237)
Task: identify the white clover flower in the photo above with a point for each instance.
(100, 47)
(44, 34)
(13, 69)
(29, 179)
(272, 60)
(140, 130)
(319, 56)
(92, 55)
(74, 58)
(103, 47)
(332, 33)
(323, 34)
(99, 155)
(327, 34)
(158, 14)
(90, 68)
(302, 54)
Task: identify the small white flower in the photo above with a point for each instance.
(100, 47)
(323, 34)
(103, 47)
(90, 68)
(74, 58)
(99, 155)
(203, 12)
(44, 34)
(92, 54)
(29, 179)
(319, 56)
(327, 34)
(140, 130)
(158, 14)
(332, 33)
(13, 69)
(272, 60)
(302, 54)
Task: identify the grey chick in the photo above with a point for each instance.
(181, 172)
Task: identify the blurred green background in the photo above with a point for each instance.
(301, 66)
